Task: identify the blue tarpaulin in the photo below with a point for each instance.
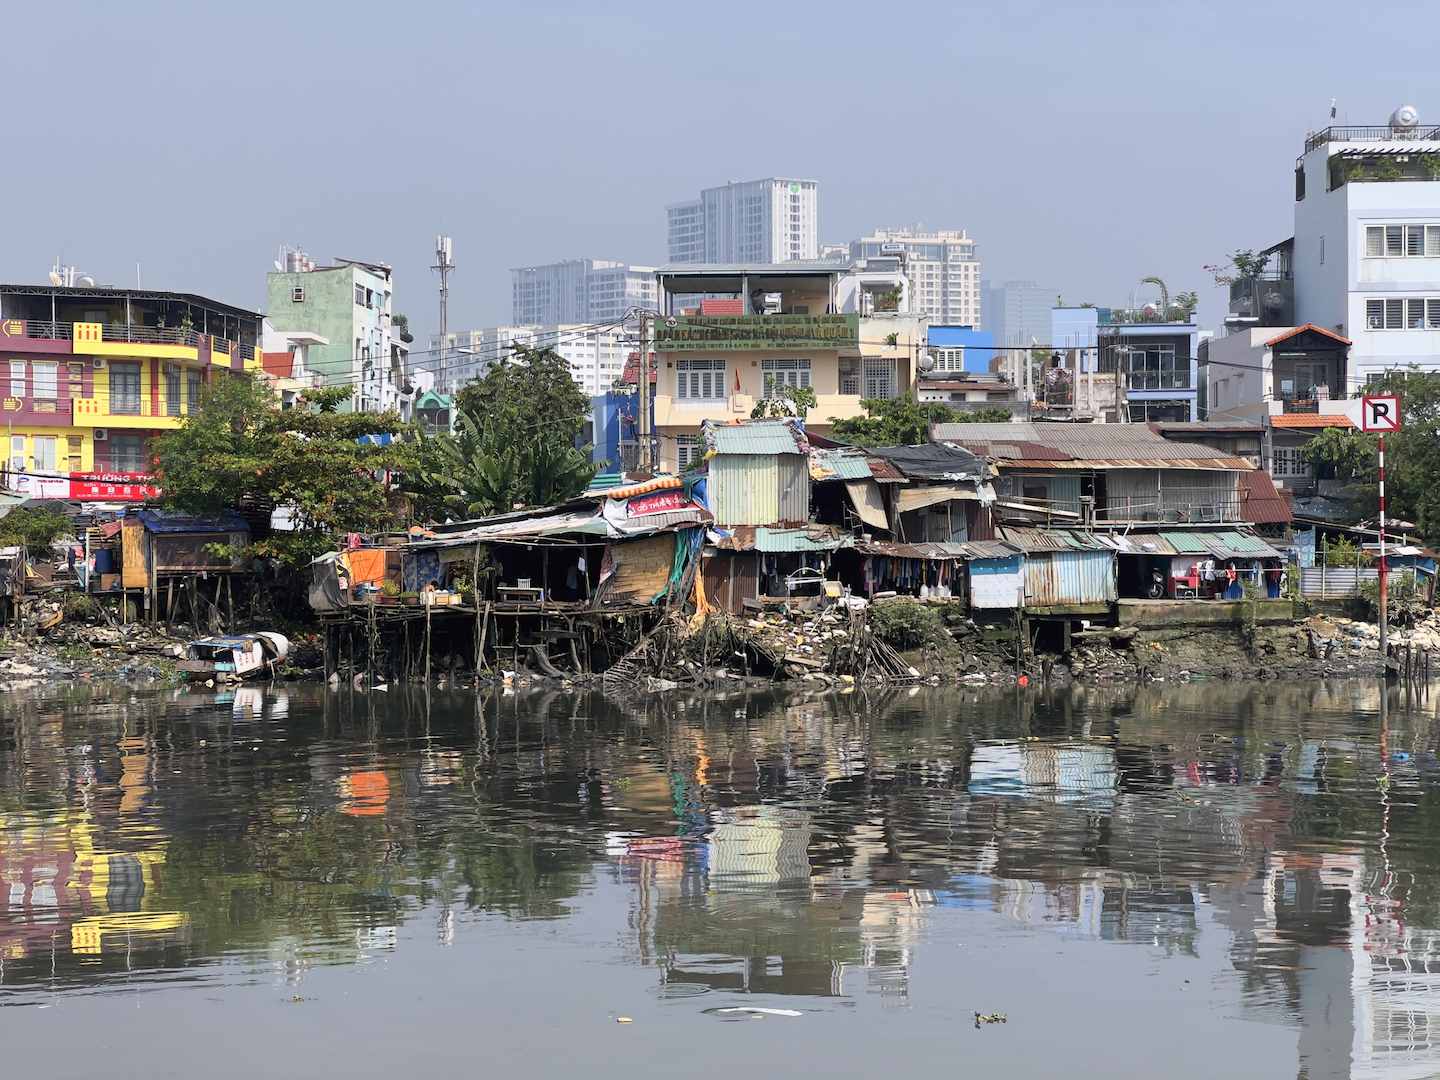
(170, 521)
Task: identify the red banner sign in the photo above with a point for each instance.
(112, 487)
(661, 502)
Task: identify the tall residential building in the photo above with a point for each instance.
(349, 304)
(1018, 312)
(579, 291)
(1366, 257)
(942, 267)
(96, 373)
(755, 221)
(596, 355)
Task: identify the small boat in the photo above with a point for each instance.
(226, 659)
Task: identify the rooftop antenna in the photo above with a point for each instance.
(444, 263)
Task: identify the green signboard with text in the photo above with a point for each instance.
(712, 333)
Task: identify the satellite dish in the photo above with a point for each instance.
(279, 266)
(55, 278)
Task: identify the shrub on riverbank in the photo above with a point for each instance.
(908, 624)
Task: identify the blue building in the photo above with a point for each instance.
(611, 425)
(961, 348)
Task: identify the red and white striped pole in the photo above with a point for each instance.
(1384, 592)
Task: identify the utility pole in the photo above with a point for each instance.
(444, 264)
(647, 456)
(1384, 591)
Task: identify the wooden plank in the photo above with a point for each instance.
(134, 574)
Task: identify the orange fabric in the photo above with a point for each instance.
(367, 566)
(660, 483)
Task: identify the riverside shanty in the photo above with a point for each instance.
(779, 552)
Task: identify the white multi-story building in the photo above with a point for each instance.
(943, 269)
(579, 291)
(1366, 257)
(773, 220)
(596, 355)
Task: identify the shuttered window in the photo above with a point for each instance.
(700, 380)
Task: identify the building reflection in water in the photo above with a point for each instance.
(765, 845)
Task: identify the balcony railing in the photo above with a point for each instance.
(1366, 133)
(1161, 380)
(729, 333)
(122, 411)
(45, 330)
(1174, 504)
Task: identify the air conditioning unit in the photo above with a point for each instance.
(297, 294)
(101, 434)
(99, 364)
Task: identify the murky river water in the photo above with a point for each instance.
(1176, 881)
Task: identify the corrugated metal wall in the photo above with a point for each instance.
(1053, 578)
(756, 489)
(1131, 492)
(997, 583)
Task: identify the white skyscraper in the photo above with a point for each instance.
(943, 270)
(757, 221)
(596, 355)
(579, 291)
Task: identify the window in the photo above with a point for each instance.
(1408, 241)
(17, 453)
(949, 359)
(45, 461)
(700, 380)
(172, 389)
(297, 294)
(47, 379)
(1403, 313)
(17, 378)
(194, 387)
(688, 451)
(1156, 367)
(127, 453)
(359, 295)
(879, 378)
(1289, 462)
(780, 373)
(125, 388)
(850, 376)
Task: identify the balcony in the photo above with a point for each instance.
(1368, 133)
(1267, 300)
(1177, 505)
(174, 342)
(689, 412)
(123, 413)
(1160, 380)
(756, 333)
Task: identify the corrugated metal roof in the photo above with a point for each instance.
(1222, 544)
(1215, 464)
(1134, 444)
(885, 472)
(990, 549)
(756, 437)
(1050, 539)
(1261, 502)
(838, 465)
(931, 461)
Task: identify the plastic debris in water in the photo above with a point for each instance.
(624, 1020)
(750, 1010)
(990, 1018)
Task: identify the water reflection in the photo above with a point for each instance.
(817, 850)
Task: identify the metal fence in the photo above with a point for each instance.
(1338, 582)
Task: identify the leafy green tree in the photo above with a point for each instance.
(321, 463)
(903, 421)
(516, 430)
(1347, 454)
(34, 528)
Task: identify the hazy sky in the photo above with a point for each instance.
(1083, 146)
